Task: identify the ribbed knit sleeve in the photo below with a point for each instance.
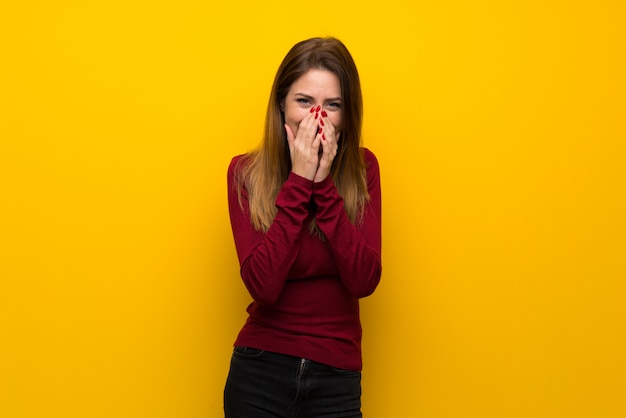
(356, 249)
(266, 258)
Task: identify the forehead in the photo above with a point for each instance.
(317, 81)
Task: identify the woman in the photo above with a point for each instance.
(305, 213)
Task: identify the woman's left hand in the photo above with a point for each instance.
(328, 148)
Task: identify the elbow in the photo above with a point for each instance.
(263, 298)
(369, 285)
(261, 292)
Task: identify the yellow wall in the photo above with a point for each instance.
(501, 133)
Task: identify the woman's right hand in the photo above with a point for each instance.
(304, 146)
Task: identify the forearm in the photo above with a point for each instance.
(267, 258)
(356, 250)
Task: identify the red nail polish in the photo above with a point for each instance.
(321, 122)
(312, 109)
(316, 115)
(319, 131)
(324, 137)
(318, 108)
(324, 113)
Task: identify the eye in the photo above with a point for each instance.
(302, 100)
(334, 105)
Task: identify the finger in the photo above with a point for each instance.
(312, 125)
(316, 144)
(325, 148)
(329, 128)
(307, 129)
(329, 140)
(330, 145)
(326, 157)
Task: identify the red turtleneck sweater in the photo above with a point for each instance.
(306, 291)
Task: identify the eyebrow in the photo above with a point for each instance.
(330, 99)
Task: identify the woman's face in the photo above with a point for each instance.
(314, 88)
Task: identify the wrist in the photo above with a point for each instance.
(298, 178)
(307, 174)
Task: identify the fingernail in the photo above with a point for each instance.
(319, 131)
(321, 122)
(318, 108)
(316, 115)
(324, 137)
(312, 109)
(324, 113)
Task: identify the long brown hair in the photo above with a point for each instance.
(264, 170)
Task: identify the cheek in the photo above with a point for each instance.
(337, 121)
(295, 115)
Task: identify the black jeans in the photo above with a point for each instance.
(262, 384)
